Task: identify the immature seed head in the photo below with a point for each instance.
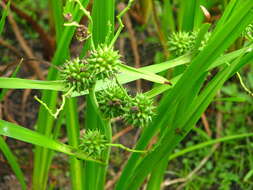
(93, 143)
(181, 42)
(68, 17)
(103, 62)
(82, 33)
(112, 101)
(74, 73)
(139, 111)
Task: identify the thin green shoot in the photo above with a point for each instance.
(121, 25)
(55, 115)
(126, 148)
(243, 84)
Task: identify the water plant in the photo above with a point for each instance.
(100, 75)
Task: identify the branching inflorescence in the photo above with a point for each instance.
(181, 42)
(82, 74)
(102, 63)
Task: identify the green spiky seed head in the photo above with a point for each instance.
(93, 143)
(139, 111)
(103, 62)
(75, 75)
(112, 101)
(181, 42)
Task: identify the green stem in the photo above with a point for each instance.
(90, 28)
(106, 128)
(209, 143)
(243, 85)
(73, 131)
(55, 115)
(126, 148)
(121, 25)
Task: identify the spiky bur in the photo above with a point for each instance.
(93, 143)
(139, 111)
(75, 74)
(181, 42)
(103, 62)
(115, 102)
(112, 101)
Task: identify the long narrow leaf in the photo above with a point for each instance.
(3, 17)
(23, 134)
(12, 160)
(208, 143)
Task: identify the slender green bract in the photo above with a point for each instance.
(26, 135)
(209, 143)
(12, 160)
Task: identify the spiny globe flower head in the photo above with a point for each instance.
(76, 75)
(181, 42)
(103, 62)
(139, 111)
(93, 143)
(112, 101)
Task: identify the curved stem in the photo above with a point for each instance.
(243, 84)
(55, 115)
(87, 14)
(121, 25)
(126, 148)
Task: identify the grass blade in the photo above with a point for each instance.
(3, 17)
(209, 143)
(14, 131)
(73, 131)
(10, 157)
(216, 45)
(42, 155)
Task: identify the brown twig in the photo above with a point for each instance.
(28, 51)
(137, 17)
(206, 124)
(10, 47)
(46, 39)
(133, 41)
(196, 170)
(160, 33)
(8, 116)
(219, 118)
(121, 133)
(122, 46)
(111, 182)
(1, 113)
(4, 69)
(25, 96)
